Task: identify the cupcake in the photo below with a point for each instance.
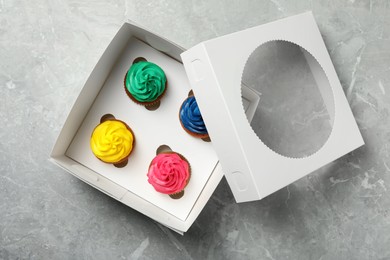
(145, 83)
(191, 119)
(169, 173)
(112, 141)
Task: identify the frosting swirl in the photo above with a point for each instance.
(168, 173)
(191, 117)
(111, 141)
(145, 81)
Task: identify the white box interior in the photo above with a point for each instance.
(151, 129)
(83, 105)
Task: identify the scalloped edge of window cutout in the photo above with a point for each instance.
(330, 107)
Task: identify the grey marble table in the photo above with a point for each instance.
(48, 49)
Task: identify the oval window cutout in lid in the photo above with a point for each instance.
(295, 114)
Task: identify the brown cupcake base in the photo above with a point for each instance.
(204, 137)
(178, 195)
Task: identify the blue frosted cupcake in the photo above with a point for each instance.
(191, 119)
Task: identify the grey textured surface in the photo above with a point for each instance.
(292, 118)
(48, 49)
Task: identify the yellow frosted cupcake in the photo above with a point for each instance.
(112, 141)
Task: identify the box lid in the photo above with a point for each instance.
(215, 68)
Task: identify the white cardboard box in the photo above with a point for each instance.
(256, 171)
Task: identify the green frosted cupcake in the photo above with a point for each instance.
(145, 84)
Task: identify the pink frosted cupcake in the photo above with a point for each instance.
(169, 173)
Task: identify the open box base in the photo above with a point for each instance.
(104, 94)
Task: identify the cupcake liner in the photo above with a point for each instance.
(177, 195)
